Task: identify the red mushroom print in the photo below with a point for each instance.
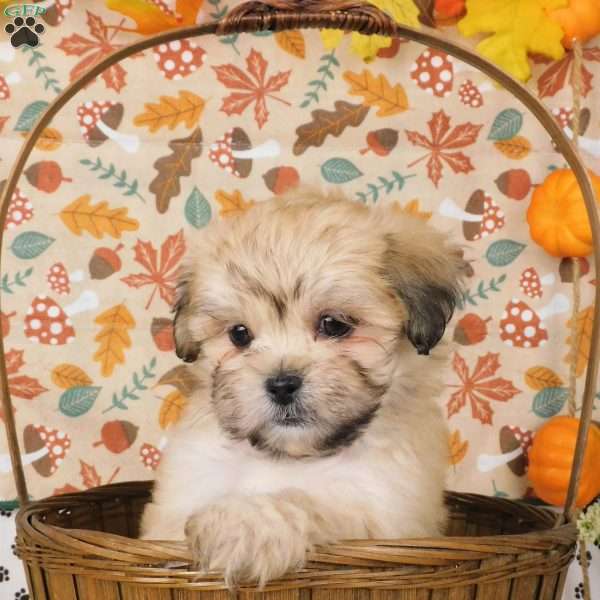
(481, 217)
(522, 327)
(531, 283)
(20, 210)
(6, 81)
(47, 323)
(178, 59)
(514, 444)
(56, 13)
(433, 72)
(99, 121)
(470, 94)
(563, 116)
(58, 278)
(46, 448)
(234, 153)
(150, 456)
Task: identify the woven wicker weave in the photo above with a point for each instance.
(82, 546)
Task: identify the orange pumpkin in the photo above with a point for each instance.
(557, 218)
(580, 20)
(551, 457)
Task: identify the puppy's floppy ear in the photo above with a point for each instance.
(425, 271)
(186, 348)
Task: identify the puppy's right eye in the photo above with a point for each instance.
(332, 328)
(240, 336)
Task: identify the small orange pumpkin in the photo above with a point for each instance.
(557, 218)
(580, 20)
(551, 457)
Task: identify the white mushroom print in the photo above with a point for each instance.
(6, 81)
(234, 152)
(99, 121)
(178, 59)
(20, 210)
(433, 71)
(514, 444)
(480, 218)
(47, 323)
(531, 283)
(522, 327)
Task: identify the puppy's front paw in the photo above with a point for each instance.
(248, 538)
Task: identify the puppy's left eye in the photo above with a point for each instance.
(240, 336)
(333, 328)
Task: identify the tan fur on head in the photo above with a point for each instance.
(338, 301)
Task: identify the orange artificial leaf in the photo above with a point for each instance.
(113, 338)
(188, 10)
(97, 219)
(539, 378)
(583, 327)
(171, 111)
(149, 17)
(161, 272)
(66, 376)
(171, 408)
(458, 447)
(516, 148)
(412, 208)
(232, 204)
(292, 42)
(377, 91)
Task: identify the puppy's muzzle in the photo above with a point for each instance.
(283, 388)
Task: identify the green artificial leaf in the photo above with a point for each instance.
(30, 114)
(506, 125)
(549, 401)
(30, 244)
(339, 170)
(76, 401)
(197, 209)
(503, 252)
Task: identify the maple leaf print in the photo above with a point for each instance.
(253, 87)
(21, 386)
(95, 48)
(553, 79)
(161, 271)
(443, 145)
(479, 387)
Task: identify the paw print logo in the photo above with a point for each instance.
(21, 594)
(578, 591)
(24, 31)
(4, 574)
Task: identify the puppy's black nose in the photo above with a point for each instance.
(283, 387)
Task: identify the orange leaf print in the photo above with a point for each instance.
(113, 338)
(458, 447)
(516, 148)
(292, 42)
(232, 204)
(171, 409)
(539, 378)
(583, 327)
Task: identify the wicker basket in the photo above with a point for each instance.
(82, 546)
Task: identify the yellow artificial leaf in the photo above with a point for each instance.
(585, 320)
(148, 16)
(97, 219)
(113, 338)
(292, 42)
(518, 27)
(458, 447)
(516, 148)
(539, 378)
(232, 204)
(331, 38)
(367, 46)
(169, 112)
(50, 139)
(171, 408)
(377, 91)
(66, 376)
(412, 208)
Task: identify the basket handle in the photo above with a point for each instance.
(277, 15)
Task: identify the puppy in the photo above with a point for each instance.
(308, 322)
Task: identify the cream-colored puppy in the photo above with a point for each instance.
(308, 322)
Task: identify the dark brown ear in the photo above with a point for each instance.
(186, 348)
(426, 272)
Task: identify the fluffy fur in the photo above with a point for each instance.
(362, 451)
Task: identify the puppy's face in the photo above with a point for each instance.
(301, 311)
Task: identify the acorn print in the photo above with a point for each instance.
(162, 334)
(46, 176)
(280, 179)
(381, 141)
(117, 436)
(105, 262)
(514, 183)
(471, 329)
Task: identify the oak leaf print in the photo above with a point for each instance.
(93, 49)
(113, 338)
(479, 387)
(170, 111)
(160, 271)
(21, 386)
(377, 91)
(249, 88)
(444, 144)
(583, 330)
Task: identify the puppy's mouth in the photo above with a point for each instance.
(291, 416)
